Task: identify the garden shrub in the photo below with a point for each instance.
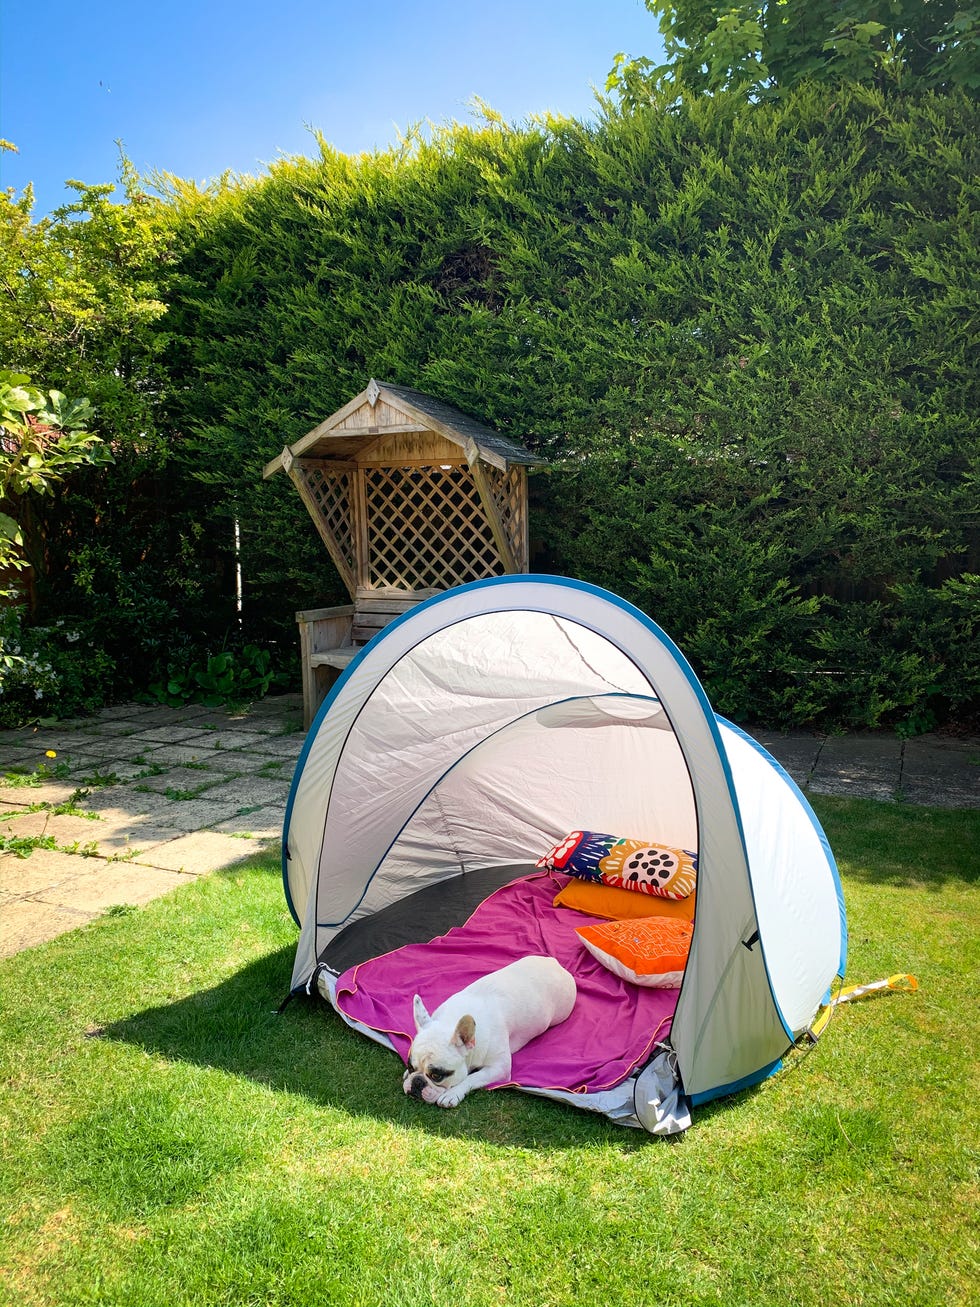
(232, 676)
(47, 672)
(741, 332)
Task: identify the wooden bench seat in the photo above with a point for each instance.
(330, 638)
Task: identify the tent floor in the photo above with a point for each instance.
(420, 917)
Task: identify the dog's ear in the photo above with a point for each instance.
(422, 1017)
(464, 1036)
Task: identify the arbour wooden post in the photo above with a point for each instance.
(410, 496)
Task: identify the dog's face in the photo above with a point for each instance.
(437, 1057)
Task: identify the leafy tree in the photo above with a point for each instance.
(767, 48)
(83, 303)
(42, 437)
(80, 286)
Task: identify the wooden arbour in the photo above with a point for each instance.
(410, 496)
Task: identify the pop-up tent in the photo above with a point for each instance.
(488, 722)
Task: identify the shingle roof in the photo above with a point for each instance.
(334, 438)
(485, 437)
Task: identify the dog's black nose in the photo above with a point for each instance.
(416, 1087)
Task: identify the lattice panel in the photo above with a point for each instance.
(427, 529)
(332, 492)
(508, 494)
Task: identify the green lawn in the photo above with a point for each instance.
(167, 1140)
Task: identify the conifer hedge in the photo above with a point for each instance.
(745, 335)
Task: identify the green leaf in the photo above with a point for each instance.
(21, 399)
(10, 530)
(868, 31)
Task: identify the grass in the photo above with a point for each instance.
(166, 1139)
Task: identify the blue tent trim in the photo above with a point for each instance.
(735, 1086)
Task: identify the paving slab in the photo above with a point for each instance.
(261, 824)
(229, 740)
(199, 814)
(796, 753)
(170, 755)
(125, 803)
(196, 779)
(74, 765)
(865, 764)
(125, 748)
(282, 746)
(962, 749)
(216, 719)
(114, 710)
(30, 921)
(163, 734)
(41, 741)
(46, 792)
(24, 759)
(125, 841)
(198, 853)
(233, 764)
(43, 870)
(113, 771)
(270, 725)
(25, 824)
(941, 772)
(83, 835)
(108, 727)
(252, 792)
(110, 883)
(160, 715)
(18, 735)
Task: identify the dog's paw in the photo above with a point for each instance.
(451, 1097)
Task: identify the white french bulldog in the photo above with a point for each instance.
(468, 1041)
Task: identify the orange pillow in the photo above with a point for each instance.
(600, 900)
(651, 952)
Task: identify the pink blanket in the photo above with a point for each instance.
(613, 1026)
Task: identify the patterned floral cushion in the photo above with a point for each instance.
(626, 863)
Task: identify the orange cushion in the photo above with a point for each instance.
(600, 900)
(651, 951)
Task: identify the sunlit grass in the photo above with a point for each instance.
(167, 1139)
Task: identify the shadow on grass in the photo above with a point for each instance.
(308, 1050)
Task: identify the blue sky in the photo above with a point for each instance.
(199, 88)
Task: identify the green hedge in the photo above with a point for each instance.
(745, 335)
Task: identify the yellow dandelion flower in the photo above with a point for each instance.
(50, 753)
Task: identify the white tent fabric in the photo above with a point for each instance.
(488, 722)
